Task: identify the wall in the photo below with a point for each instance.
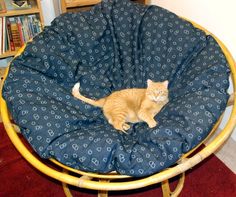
(49, 12)
(217, 16)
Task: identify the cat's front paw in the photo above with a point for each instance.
(152, 124)
(75, 89)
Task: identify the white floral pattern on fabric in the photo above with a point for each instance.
(116, 45)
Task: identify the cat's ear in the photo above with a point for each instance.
(165, 83)
(149, 82)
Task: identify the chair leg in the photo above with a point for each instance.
(103, 193)
(66, 190)
(65, 186)
(166, 187)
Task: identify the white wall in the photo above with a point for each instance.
(218, 16)
(57, 7)
(48, 11)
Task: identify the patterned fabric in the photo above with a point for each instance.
(116, 45)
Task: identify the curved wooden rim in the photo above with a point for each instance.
(127, 185)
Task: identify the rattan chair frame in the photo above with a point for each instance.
(107, 182)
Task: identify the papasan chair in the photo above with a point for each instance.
(117, 45)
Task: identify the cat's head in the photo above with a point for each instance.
(157, 91)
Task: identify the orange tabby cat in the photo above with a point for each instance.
(130, 105)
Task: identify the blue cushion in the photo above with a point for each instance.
(117, 45)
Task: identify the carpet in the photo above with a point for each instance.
(210, 178)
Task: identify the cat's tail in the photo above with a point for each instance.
(76, 93)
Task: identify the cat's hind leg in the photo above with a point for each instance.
(126, 126)
(118, 121)
(121, 125)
